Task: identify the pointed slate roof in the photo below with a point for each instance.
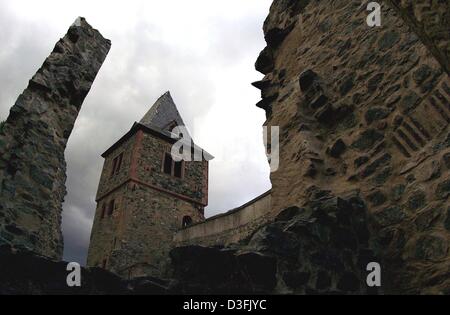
(163, 114)
(160, 120)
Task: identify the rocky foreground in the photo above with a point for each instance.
(322, 248)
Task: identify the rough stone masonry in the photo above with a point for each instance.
(34, 137)
(367, 109)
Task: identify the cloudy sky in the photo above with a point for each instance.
(203, 51)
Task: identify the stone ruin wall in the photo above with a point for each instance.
(228, 228)
(366, 110)
(34, 137)
(431, 20)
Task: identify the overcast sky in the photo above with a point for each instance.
(203, 51)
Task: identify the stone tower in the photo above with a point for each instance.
(144, 196)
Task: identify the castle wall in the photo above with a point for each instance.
(228, 228)
(431, 21)
(367, 110)
(34, 137)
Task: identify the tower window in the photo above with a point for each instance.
(111, 208)
(178, 169)
(168, 164)
(117, 164)
(187, 221)
(103, 211)
(170, 167)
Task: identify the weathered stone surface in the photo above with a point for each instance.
(430, 20)
(385, 93)
(34, 137)
(321, 248)
(26, 273)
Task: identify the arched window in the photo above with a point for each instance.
(187, 221)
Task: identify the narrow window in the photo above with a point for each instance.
(119, 163)
(111, 208)
(103, 211)
(104, 263)
(187, 221)
(168, 164)
(178, 169)
(113, 170)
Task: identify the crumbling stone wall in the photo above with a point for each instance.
(34, 137)
(363, 109)
(431, 21)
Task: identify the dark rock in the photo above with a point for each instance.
(398, 191)
(346, 86)
(417, 200)
(427, 218)
(275, 36)
(443, 189)
(296, 279)
(265, 62)
(421, 74)
(307, 79)
(409, 102)
(263, 84)
(289, 213)
(337, 149)
(361, 161)
(388, 40)
(375, 165)
(259, 270)
(376, 113)
(389, 216)
(374, 82)
(320, 101)
(446, 158)
(367, 139)
(323, 281)
(349, 282)
(266, 103)
(377, 198)
(430, 247)
(26, 273)
(447, 220)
